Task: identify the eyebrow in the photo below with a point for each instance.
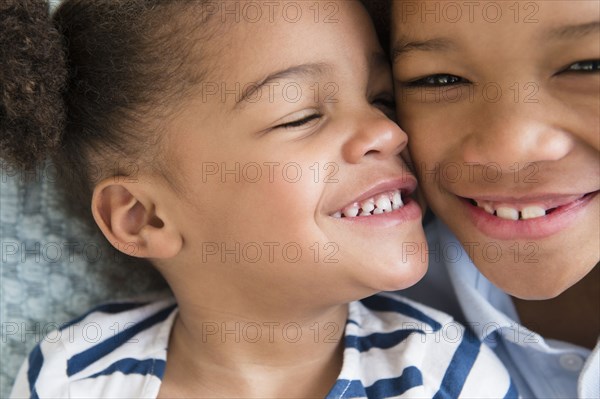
(574, 31)
(437, 44)
(304, 70)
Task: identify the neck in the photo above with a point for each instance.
(573, 316)
(218, 353)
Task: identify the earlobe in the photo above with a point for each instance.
(127, 217)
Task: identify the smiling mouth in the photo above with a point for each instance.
(520, 212)
(512, 213)
(376, 205)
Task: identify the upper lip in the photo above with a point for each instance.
(546, 200)
(406, 184)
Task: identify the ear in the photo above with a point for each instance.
(126, 215)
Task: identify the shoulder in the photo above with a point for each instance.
(399, 340)
(396, 311)
(95, 354)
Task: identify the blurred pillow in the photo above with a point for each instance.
(53, 267)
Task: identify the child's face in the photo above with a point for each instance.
(500, 101)
(263, 178)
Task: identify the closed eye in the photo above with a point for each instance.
(299, 122)
(387, 105)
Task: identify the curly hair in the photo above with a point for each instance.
(90, 87)
(32, 78)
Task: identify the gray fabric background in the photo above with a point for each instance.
(52, 267)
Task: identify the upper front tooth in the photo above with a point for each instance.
(368, 205)
(397, 200)
(488, 208)
(531, 212)
(351, 211)
(505, 212)
(337, 215)
(383, 202)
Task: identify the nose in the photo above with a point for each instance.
(374, 135)
(515, 135)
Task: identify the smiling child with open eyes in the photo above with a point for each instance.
(501, 103)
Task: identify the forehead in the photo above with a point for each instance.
(534, 20)
(280, 34)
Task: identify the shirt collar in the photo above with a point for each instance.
(488, 310)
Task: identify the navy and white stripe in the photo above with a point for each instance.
(117, 350)
(394, 348)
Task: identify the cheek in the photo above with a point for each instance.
(429, 133)
(590, 129)
(580, 117)
(275, 211)
(428, 149)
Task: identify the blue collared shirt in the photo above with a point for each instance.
(540, 367)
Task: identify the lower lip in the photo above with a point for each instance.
(409, 212)
(536, 228)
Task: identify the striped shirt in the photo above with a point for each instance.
(394, 348)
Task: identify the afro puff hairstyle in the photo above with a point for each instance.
(32, 78)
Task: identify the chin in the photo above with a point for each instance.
(533, 269)
(400, 276)
(534, 293)
(392, 261)
(533, 283)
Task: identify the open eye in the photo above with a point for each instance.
(440, 79)
(587, 66)
(305, 120)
